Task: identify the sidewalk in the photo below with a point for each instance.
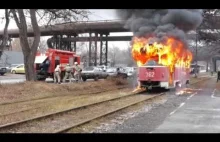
(200, 113)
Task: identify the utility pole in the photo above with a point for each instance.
(196, 69)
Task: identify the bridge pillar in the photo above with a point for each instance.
(103, 50)
(96, 36)
(90, 52)
(93, 50)
(74, 46)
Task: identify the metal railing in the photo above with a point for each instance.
(94, 21)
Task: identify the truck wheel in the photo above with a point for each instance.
(84, 79)
(2, 73)
(96, 78)
(106, 77)
(42, 79)
(125, 76)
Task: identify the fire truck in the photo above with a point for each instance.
(46, 63)
(155, 75)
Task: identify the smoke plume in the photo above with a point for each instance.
(161, 22)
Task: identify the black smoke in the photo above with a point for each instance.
(161, 22)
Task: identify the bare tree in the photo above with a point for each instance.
(208, 31)
(43, 46)
(5, 36)
(16, 45)
(113, 52)
(50, 16)
(208, 36)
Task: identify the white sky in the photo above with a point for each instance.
(97, 14)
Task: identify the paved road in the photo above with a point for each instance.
(198, 112)
(12, 78)
(16, 78)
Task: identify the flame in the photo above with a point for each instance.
(187, 91)
(172, 53)
(138, 89)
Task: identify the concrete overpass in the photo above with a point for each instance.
(65, 36)
(101, 27)
(75, 28)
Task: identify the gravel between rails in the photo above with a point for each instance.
(116, 120)
(56, 123)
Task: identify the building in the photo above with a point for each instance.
(12, 57)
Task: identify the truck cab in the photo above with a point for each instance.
(46, 63)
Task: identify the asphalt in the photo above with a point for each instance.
(198, 112)
(17, 78)
(11, 78)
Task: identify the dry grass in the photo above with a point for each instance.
(11, 113)
(118, 80)
(31, 90)
(54, 123)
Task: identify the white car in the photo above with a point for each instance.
(93, 73)
(130, 71)
(112, 71)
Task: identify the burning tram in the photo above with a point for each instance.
(156, 75)
(165, 64)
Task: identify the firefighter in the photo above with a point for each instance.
(68, 73)
(57, 73)
(77, 73)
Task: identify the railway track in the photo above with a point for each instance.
(75, 117)
(52, 123)
(30, 105)
(47, 97)
(105, 114)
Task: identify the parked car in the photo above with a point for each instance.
(11, 66)
(116, 72)
(103, 67)
(93, 73)
(130, 71)
(112, 71)
(18, 69)
(3, 70)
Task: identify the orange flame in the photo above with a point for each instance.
(172, 53)
(138, 89)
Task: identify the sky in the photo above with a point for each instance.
(97, 15)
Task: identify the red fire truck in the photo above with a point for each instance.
(46, 63)
(155, 75)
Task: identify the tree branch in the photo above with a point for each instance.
(5, 36)
(36, 30)
(16, 18)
